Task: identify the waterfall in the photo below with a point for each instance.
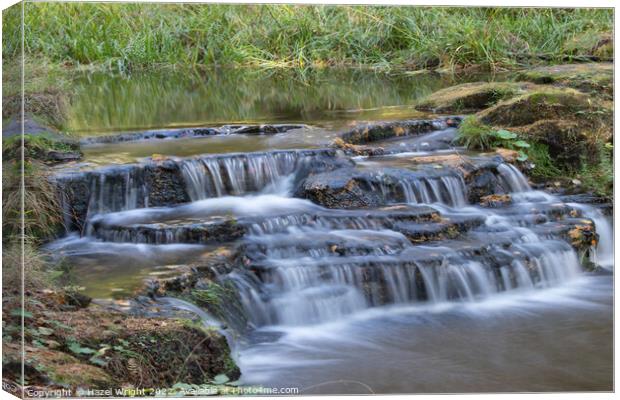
(603, 252)
(236, 175)
(122, 189)
(513, 178)
(448, 189)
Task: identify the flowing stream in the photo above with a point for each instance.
(427, 291)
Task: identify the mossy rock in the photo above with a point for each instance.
(43, 146)
(545, 104)
(595, 78)
(469, 97)
(567, 141)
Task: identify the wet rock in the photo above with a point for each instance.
(161, 182)
(343, 188)
(496, 200)
(603, 203)
(63, 156)
(482, 182)
(368, 133)
(190, 233)
(470, 97)
(267, 129)
(446, 228)
(356, 150)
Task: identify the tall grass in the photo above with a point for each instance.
(126, 36)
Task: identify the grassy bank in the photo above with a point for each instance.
(130, 36)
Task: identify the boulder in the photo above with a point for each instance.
(471, 97)
(594, 78)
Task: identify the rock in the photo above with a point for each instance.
(14, 127)
(542, 104)
(75, 299)
(356, 150)
(595, 78)
(567, 121)
(496, 200)
(368, 133)
(268, 129)
(566, 140)
(63, 156)
(469, 97)
(343, 188)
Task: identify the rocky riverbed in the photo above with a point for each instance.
(386, 229)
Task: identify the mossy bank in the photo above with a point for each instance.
(560, 117)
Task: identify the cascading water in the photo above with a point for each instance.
(306, 264)
(215, 177)
(308, 270)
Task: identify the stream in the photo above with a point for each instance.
(422, 290)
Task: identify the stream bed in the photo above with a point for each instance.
(380, 273)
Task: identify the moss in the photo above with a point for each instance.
(469, 97)
(594, 78)
(544, 103)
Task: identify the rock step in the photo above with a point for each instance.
(367, 133)
(369, 187)
(156, 183)
(412, 271)
(265, 129)
(228, 228)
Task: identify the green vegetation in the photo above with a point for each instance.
(36, 147)
(544, 167)
(599, 177)
(475, 135)
(46, 92)
(129, 36)
(42, 212)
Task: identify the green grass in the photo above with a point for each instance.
(475, 135)
(130, 36)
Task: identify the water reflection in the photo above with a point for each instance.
(104, 102)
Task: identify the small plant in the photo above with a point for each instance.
(599, 177)
(544, 167)
(509, 140)
(475, 135)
